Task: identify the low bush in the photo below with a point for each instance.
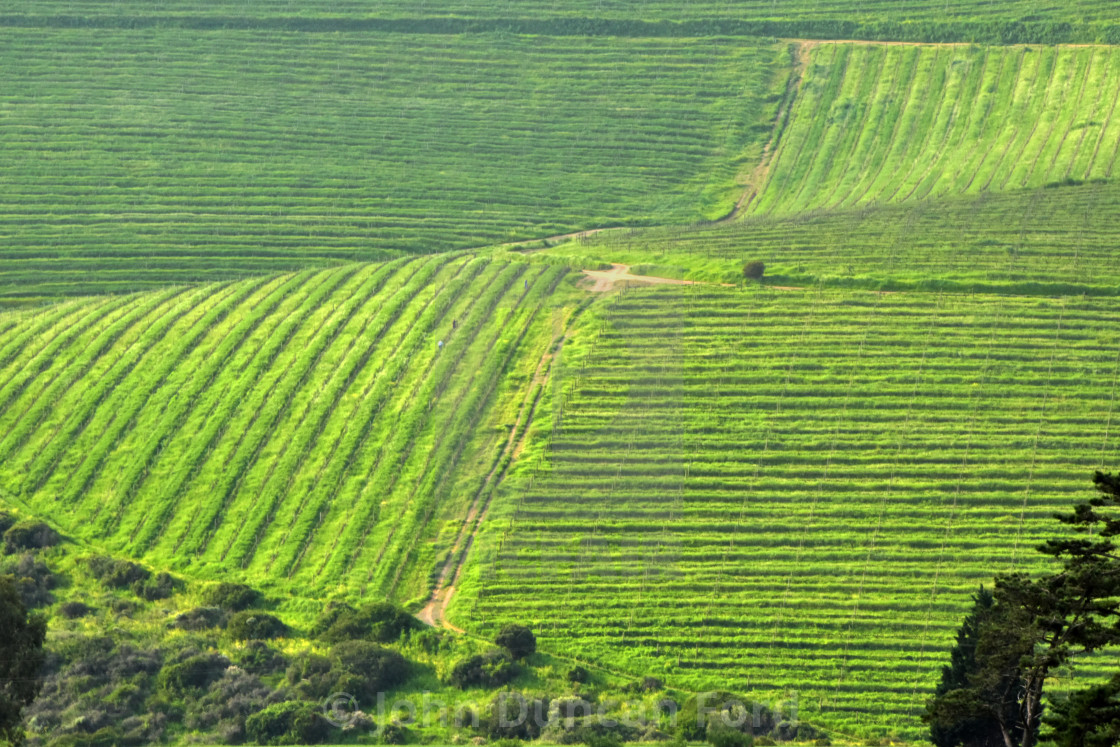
(232, 596)
(259, 658)
(193, 675)
(249, 625)
(366, 669)
(378, 621)
(29, 535)
(492, 669)
(518, 640)
(201, 618)
(74, 610)
(287, 723)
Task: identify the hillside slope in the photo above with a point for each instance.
(308, 432)
(775, 492)
(138, 158)
(902, 123)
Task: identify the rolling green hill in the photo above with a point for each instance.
(304, 431)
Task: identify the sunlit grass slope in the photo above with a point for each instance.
(776, 492)
(901, 123)
(305, 432)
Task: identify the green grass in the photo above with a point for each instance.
(134, 159)
(901, 124)
(1046, 241)
(770, 491)
(300, 431)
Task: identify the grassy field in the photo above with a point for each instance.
(134, 159)
(865, 127)
(1059, 240)
(1030, 21)
(303, 429)
(775, 491)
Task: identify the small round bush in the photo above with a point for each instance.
(74, 610)
(201, 618)
(518, 640)
(29, 535)
(249, 625)
(259, 658)
(578, 674)
(232, 596)
(194, 674)
(288, 723)
(754, 270)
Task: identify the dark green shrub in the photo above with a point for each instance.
(378, 621)
(754, 270)
(260, 658)
(74, 610)
(160, 586)
(232, 596)
(116, 574)
(511, 715)
(33, 579)
(287, 723)
(368, 668)
(201, 618)
(29, 535)
(578, 674)
(392, 734)
(518, 640)
(312, 676)
(6, 521)
(249, 625)
(193, 675)
(721, 735)
(492, 669)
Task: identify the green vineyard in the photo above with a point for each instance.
(865, 127)
(158, 164)
(302, 428)
(782, 492)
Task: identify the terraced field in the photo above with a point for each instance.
(826, 19)
(771, 491)
(137, 158)
(1059, 240)
(900, 123)
(310, 431)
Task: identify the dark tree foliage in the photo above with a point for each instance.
(258, 657)
(249, 625)
(1039, 624)
(201, 618)
(312, 676)
(378, 621)
(232, 596)
(949, 729)
(74, 610)
(32, 577)
(29, 535)
(754, 270)
(1088, 718)
(492, 669)
(365, 669)
(578, 674)
(193, 675)
(21, 659)
(123, 574)
(518, 640)
(6, 521)
(288, 723)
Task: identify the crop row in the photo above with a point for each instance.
(773, 491)
(306, 426)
